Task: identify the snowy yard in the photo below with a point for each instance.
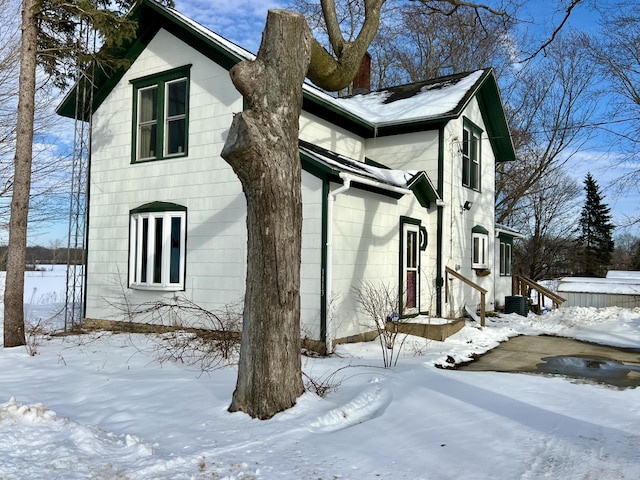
(101, 406)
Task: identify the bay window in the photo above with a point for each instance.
(157, 246)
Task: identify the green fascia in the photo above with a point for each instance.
(323, 262)
(151, 18)
(159, 207)
(423, 189)
(324, 172)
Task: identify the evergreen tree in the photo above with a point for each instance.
(595, 232)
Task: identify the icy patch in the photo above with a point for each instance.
(369, 404)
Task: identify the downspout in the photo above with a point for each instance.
(329, 269)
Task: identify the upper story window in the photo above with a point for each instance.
(471, 166)
(157, 246)
(161, 115)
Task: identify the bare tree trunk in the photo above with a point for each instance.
(16, 251)
(262, 149)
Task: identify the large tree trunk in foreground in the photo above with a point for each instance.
(16, 251)
(262, 149)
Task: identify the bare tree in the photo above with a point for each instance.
(548, 249)
(551, 108)
(16, 252)
(617, 52)
(418, 41)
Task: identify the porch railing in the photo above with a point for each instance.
(475, 286)
(522, 286)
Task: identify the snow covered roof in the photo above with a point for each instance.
(632, 275)
(376, 176)
(414, 107)
(617, 284)
(503, 229)
(417, 101)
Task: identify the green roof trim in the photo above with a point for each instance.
(480, 229)
(151, 17)
(159, 207)
(423, 189)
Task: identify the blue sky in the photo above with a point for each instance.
(242, 22)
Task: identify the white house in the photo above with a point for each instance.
(398, 186)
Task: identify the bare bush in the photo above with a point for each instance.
(381, 304)
(192, 335)
(330, 381)
(35, 331)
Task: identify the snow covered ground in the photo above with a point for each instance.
(101, 406)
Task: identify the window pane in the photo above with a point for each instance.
(175, 136)
(473, 163)
(144, 249)
(147, 141)
(476, 250)
(176, 98)
(412, 280)
(157, 258)
(148, 105)
(412, 240)
(174, 263)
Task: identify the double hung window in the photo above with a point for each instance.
(471, 136)
(161, 115)
(157, 246)
(505, 257)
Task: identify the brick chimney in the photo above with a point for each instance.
(362, 81)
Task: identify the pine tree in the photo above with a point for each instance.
(595, 240)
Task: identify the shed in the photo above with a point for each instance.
(618, 289)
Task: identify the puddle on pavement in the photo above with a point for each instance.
(601, 370)
(580, 361)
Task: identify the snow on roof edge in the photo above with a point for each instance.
(370, 115)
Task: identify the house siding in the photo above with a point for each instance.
(202, 182)
(458, 223)
(331, 137)
(366, 242)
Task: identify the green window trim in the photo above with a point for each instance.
(471, 155)
(160, 124)
(506, 254)
(411, 241)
